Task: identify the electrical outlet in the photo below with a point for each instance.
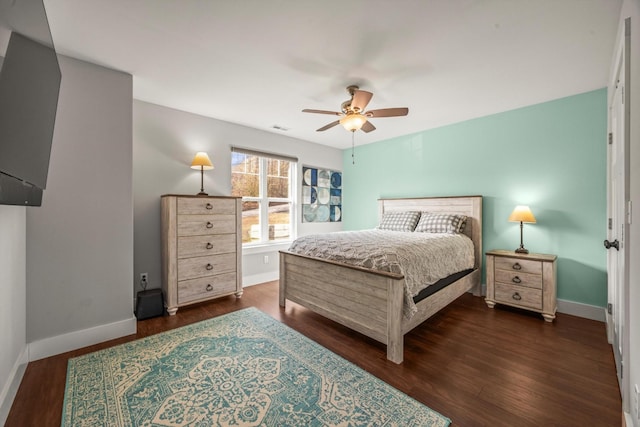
(144, 278)
(266, 259)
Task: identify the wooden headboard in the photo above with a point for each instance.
(471, 206)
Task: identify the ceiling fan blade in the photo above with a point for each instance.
(333, 113)
(388, 112)
(360, 99)
(329, 126)
(368, 127)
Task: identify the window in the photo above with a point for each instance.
(266, 184)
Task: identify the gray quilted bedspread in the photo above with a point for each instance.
(423, 258)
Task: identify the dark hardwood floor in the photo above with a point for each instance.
(477, 366)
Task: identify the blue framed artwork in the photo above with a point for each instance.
(321, 195)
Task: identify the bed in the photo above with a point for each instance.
(372, 302)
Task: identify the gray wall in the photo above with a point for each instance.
(80, 242)
(12, 301)
(164, 143)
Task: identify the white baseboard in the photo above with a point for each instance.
(587, 311)
(610, 331)
(78, 339)
(260, 278)
(10, 388)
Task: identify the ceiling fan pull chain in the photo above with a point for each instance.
(353, 157)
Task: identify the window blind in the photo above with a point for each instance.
(263, 154)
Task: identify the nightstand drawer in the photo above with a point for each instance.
(519, 279)
(519, 265)
(518, 295)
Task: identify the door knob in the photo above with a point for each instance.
(614, 244)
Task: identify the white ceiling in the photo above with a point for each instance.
(260, 62)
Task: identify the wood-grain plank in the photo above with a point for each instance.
(477, 366)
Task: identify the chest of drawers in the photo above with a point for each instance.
(201, 248)
(526, 281)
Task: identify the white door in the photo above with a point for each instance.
(617, 227)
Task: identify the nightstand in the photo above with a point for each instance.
(526, 281)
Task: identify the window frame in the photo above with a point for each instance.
(263, 199)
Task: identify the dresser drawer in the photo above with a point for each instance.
(519, 265)
(191, 268)
(518, 278)
(197, 225)
(518, 295)
(190, 246)
(206, 287)
(203, 206)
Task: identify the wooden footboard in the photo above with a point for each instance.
(365, 301)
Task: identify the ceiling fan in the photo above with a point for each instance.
(353, 116)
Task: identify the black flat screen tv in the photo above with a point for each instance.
(29, 87)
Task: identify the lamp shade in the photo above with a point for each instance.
(201, 161)
(353, 122)
(522, 214)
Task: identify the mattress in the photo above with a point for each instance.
(423, 258)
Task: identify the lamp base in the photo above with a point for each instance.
(202, 193)
(522, 250)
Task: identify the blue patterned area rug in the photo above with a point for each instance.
(240, 369)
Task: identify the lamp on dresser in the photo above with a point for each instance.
(522, 214)
(201, 161)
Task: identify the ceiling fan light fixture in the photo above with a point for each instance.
(353, 122)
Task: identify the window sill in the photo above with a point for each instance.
(266, 247)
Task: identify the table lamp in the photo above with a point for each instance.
(522, 214)
(201, 161)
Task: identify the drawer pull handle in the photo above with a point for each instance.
(516, 296)
(209, 267)
(209, 206)
(517, 266)
(516, 279)
(209, 245)
(209, 224)
(209, 288)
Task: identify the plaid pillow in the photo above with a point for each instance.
(399, 221)
(441, 223)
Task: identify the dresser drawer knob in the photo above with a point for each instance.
(209, 224)
(209, 206)
(516, 296)
(209, 245)
(517, 266)
(516, 279)
(209, 267)
(209, 287)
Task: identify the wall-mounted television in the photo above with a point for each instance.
(29, 87)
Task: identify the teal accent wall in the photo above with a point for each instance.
(550, 156)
